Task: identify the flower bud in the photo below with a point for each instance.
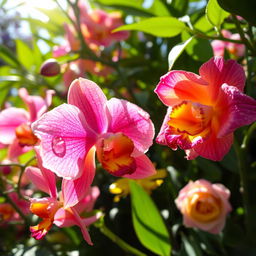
(50, 68)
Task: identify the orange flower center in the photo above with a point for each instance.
(203, 207)
(6, 212)
(114, 153)
(25, 135)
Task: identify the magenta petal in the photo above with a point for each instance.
(161, 138)
(217, 71)
(145, 168)
(15, 149)
(36, 104)
(42, 178)
(213, 148)
(89, 98)
(239, 111)
(65, 140)
(82, 225)
(10, 119)
(177, 86)
(75, 190)
(132, 121)
(64, 218)
(87, 203)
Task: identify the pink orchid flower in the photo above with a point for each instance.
(15, 130)
(99, 25)
(236, 50)
(54, 210)
(120, 131)
(204, 110)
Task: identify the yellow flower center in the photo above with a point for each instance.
(203, 207)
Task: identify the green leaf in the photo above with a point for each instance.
(7, 55)
(148, 223)
(199, 49)
(24, 54)
(176, 51)
(156, 8)
(158, 26)
(215, 14)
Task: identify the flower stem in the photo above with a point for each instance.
(248, 189)
(116, 239)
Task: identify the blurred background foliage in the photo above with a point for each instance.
(29, 31)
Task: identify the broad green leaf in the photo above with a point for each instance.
(156, 8)
(215, 13)
(24, 54)
(148, 223)
(199, 49)
(158, 26)
(245, 8)
(176, 51)
(203, 24)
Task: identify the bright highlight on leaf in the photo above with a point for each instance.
(148, 223)
(215, 13)
(159, 26)
(176, 51)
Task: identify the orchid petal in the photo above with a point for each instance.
(82, 225)
(75, 190)
(177, 86)
(132, 121)
(145, 168)
(10, 119)
(36, 104)
(89, 98)
(214, 148)
(65, 140)
(217, 71)
(15, 149)
(240, 109)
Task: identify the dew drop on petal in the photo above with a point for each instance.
(59, 146)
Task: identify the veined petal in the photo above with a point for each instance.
(144, 168)
(214, 148)
(10, 119)
(132, 121)
(89, 98)
(238, 109)
(217, 71)
(65, 140)
(177, 86)
(42, 178)
(75, 190)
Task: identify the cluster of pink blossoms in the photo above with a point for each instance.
(97, 29)
(203, 112)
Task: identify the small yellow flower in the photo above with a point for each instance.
(120, 188)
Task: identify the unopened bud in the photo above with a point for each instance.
(50, 67)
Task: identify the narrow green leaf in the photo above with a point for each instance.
(176, 51)
(25, 54)
(215, 14)
(148, 223)
(7, 55)
(156, 8)
(158, 26)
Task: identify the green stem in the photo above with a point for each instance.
(121, 243)
(249, 220)
(248, 136)
(242, 35)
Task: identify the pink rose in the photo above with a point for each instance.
(204, 205)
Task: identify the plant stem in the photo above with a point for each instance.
(242, 35)
(121, 243)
